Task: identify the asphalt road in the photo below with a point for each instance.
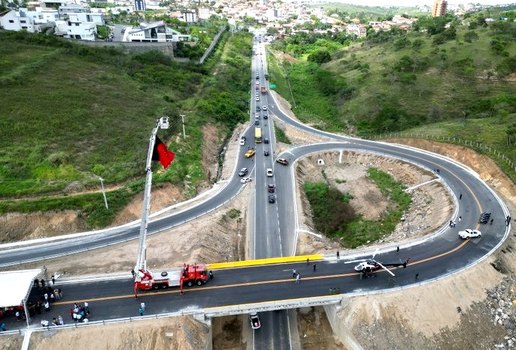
(274, 333)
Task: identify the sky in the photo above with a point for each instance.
(419, 2)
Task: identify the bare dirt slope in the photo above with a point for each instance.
(181, 333)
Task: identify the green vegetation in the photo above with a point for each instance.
(280, 136)
(366, 13)
(334, 217)
(71, 113)
(445, 72)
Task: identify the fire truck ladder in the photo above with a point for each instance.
(140, 269)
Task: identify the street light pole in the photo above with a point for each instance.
(183, 122)
(103, 192)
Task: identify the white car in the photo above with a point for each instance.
(257, 82)
(242, 141)
(269, 172)
(468, 233)
(245, 180)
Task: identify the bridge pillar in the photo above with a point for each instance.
(339, 328)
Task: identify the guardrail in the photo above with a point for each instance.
(477, 146)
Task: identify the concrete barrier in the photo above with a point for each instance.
(268, 261)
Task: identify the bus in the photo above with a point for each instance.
(258, 135)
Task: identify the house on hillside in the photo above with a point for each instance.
(17, 20)
(156, 32)
(78, 22)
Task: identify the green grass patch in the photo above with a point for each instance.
(71, 112)
(334, 217)
(280, 136)
(310, 90)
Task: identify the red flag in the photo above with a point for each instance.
(162, 154)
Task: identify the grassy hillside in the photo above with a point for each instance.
(69, 113)
(456, 82)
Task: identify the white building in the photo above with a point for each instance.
(156, 32)
(18, 20)
(77, 22)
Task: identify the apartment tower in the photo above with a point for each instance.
(439, 8)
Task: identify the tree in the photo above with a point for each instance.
(470, 36)
(319, 56)
(417, 44)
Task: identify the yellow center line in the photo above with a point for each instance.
(247, 284)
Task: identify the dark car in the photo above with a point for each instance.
(255, 321)
(272, 198)
(257, 77)
(257, 108)
(271, 188)
(484, 218)
(266, 153)
(265, 140)
(256, 122)
(265, 116)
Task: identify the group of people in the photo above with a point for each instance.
(80, 313)
(55, 322)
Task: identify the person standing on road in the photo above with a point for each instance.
(315, 267)
(294, 273)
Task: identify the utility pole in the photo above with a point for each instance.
(183, 122)
(103, 192)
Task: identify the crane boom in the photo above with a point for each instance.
(141, 262)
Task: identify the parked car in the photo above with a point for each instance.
(282, 161)
(272, 198)
(255, 320)
(269, 172)
(243, 172)
(468, 233)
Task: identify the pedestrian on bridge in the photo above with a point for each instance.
(294, 273)
(298, 278)
(315, 267)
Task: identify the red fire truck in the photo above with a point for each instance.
(188, 275)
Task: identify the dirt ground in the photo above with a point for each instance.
(181, 333)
